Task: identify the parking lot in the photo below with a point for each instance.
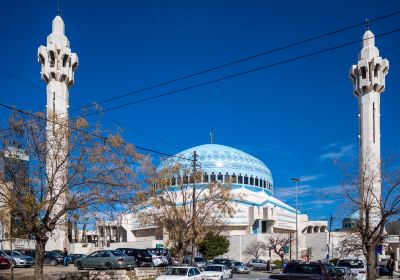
(57, 272)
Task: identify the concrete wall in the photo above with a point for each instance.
(317, 242)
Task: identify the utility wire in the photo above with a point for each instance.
(239, 73)
(240, 60)
(104, 138)
(79, 105)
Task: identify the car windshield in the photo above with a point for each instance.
(225, 262)
(238, 264)
(13, 253)
(351, 263)
(303, 269)
(199, 259)
(176, 271)
(213, 268)
(340, 269)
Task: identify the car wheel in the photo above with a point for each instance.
(252, 267)
(13, 264)
(109, 266)
(222, 277)
(79, 266)
(53, 262)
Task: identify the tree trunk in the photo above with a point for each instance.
(371, 263)
(39, 256)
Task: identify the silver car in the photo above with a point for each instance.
(17, 259)
(106, 259)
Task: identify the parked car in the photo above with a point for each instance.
(307, 271)
(72, 257)
(257, 264)
(223, 261)
(344, 273)
(239, 267)
(217, 272)
(17, 259)
(4, 263)
(52, 258)
(182, 273)
(106, 259)
(142, 257)
(357, 266)
(200, 262)
(160, 252)
(383, 270)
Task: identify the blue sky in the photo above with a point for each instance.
(295, 117)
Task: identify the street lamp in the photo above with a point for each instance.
(296, 180)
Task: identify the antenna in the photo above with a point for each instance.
(367, 24)
(211, 137)
(58, 8)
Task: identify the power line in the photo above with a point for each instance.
(238, 74)
(79, 105)
(104, 138)
(240, 60)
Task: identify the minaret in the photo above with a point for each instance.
(368, 78)
(58, 67)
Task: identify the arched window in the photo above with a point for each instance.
(233, 178)
(220, 177)
(252, 180)
(256, 182)
(179, 180)
(246, 179)
(205, 177)
(227, 178)
(213, 177)
(173, 181)
(185, 179)
(240, 179)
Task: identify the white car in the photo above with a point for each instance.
(181, 273)
(157, 260)
(357, 266)
(217, 272)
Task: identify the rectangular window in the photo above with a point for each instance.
(246, 180)
(233, 179)
(227, 179)
(256, 182)
(213, 177)
(240, 179)
(252, 181)
(220, 177)
(205, 178)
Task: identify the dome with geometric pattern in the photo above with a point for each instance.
(225, 164)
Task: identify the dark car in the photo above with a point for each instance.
(227, 262)
(307, 271)
(142, 257)
(72, 257)
(50, 257)
(383, 270)
(4, 263)
(106, 259)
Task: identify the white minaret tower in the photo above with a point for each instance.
(58, 67)
(368, 78)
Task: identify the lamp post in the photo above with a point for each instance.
(329, 239)
(296, 180)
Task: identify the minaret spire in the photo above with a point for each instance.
(368, 77)
(211, 137)
(58, 68)
(58, 8)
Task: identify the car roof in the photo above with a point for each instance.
(216, 265)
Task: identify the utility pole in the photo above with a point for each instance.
(296, 180)
(194, 205)
(329, 238)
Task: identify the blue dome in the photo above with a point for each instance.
(222, 160)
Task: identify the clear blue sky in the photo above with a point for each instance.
(295, 117)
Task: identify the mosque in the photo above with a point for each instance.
(257, 213)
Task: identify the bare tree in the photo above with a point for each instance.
(374, 191)
(170, 207)
(72, 171)
(255, 249)
(276, 242)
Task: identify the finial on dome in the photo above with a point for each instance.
(58, 8)
(211, 137)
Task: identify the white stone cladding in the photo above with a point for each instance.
(368, 78)
(58, 67)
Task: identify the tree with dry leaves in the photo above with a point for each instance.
(170, 207)
(72, 170)
(276, 242)
(255, 249)
(374, 192)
